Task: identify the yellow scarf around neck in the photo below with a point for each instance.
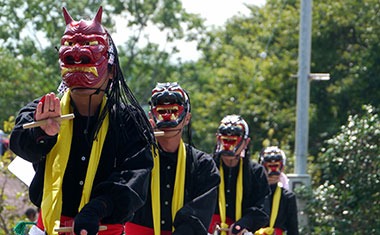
(179, 187)
(56, 161)
(273, 215)
(222, 197)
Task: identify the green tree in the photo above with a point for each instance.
(234, 76)
(23, 79)
(345, 44)
(32, 31)
(144, 66)
(348, 200)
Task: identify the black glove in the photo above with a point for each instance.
(237, 228)
(89, 217)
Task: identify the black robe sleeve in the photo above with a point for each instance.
(257, 188)
(195, 216)
(287, 218)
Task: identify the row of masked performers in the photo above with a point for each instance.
(106, 172)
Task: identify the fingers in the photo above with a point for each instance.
(51, 104)
(48, 108)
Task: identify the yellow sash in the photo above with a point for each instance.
(222, 198)
(56, 162)
(179, 187)
(273, 215)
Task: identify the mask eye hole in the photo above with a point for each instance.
(91, 43)
(68, 43)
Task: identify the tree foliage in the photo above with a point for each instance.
(23, 79)
(248, 67)
(31, 34)
(345, 44)
(348, 199)
(144, 66)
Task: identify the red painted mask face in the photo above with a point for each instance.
(230, 135)
(169, 105)
(273, 159)
(273, 167)
(83, 54)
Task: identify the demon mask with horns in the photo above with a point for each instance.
(84, 52)
(88, 59)
(232, 132)
(169, 105)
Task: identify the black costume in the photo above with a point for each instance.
(255, 188)
(124, 166)
(93, 169)
(287, 213)
(201, 181)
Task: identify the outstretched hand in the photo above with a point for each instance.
(47, 109)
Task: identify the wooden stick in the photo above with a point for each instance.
(70, 229)
(159, 133)
(218, 228)
(42, 122)
(68, 117)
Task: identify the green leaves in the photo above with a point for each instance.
(350, 186)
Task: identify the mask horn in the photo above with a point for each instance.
(67, 16)
(98, 17)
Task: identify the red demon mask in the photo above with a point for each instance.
(83, 56)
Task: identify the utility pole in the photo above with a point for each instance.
(300, 176)
(303, 88)
(303, 93)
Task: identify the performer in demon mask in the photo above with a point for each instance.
(184, 179)
(281, 203)
(92, 170)
(243, 184)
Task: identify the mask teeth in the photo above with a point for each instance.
(92, 70)
(61, 88)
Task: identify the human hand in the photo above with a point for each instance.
(47, 109)
(237, 230)
(86, 224)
